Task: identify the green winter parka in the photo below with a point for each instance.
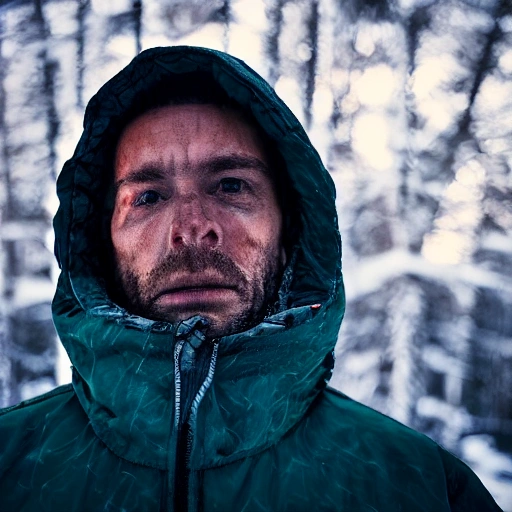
(159, 418)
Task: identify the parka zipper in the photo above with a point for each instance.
(186, 495)
(170, 481)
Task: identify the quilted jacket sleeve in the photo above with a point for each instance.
(466, 493)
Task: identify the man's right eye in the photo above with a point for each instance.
(148, 198)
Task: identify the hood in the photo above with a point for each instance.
(260, 382)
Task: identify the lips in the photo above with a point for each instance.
(195, 288)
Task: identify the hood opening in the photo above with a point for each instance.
(163, 76)
(195, 88)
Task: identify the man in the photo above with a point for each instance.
(200, 300)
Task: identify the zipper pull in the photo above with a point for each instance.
(191, 331)
(196, 324)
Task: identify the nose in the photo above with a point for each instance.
(193, 224)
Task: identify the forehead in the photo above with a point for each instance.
(181, 134)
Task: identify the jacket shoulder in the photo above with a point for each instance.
(348, 412)
(38, 403)
(465, 490)
(23, 426)
(30, 413)
(392, 444)
(373, 436)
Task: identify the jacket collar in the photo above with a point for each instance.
(261, 383)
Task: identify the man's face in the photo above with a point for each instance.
(196, 227)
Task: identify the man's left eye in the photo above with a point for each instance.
(230, 185)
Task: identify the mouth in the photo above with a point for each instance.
(190, 292)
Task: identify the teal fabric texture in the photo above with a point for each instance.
(161, 418)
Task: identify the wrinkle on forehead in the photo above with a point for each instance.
(183, 134)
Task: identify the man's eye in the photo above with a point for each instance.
(231, 185)
(148, 198)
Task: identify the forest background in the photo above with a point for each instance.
(409, 103)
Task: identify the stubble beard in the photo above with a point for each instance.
(256, 295)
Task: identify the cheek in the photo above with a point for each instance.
(135, 246)
(246, 240)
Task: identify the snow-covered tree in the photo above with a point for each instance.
(409, 103)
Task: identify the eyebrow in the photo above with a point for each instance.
(146, 174)
(229, 162)
(151, 173)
